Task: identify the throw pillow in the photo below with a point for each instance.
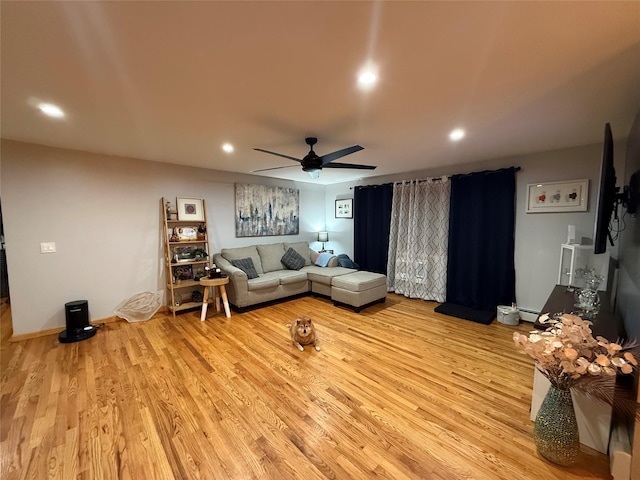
(323, 259)
(246, 265)
(345, 261)
(292, 260)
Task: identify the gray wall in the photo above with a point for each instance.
(538, 236)
(104, 215)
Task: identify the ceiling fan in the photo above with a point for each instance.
(312, 163)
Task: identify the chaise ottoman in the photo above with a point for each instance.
(359, 289)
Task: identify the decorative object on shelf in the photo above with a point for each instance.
(202, 230)
(262, 210)
(199, 254)
(323, 237)
(167, 206)
(190, 209)
(199, 273)
(571, 196)
(187, 234)
(587, 299)
(196, 296)
(568, 355)
(344, 208)
(184, 272)
(174, 235)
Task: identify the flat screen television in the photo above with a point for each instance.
(607, 196)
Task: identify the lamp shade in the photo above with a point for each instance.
(323, 236)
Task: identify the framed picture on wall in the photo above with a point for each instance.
(344, 208)
(190, 209)
(552, 197)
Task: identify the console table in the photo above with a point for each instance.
(605, 324)
(594, 418)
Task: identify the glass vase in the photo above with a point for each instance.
(555, 431)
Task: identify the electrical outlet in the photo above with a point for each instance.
(48, 247)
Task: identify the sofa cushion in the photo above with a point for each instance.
(303, 249)
(324, 275)
(244, 252)
(268, 280)
(293, 260)
(287, 277)
(246, 265)
(270, 256)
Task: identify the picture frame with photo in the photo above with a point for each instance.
(566, 196)
(187, 234)
(190, 209)
(344, 208)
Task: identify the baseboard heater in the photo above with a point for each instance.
(528, 315)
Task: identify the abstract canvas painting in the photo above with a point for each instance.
(262, 210)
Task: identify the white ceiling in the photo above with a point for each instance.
(172, 81)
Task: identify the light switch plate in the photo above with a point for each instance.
(48, 247)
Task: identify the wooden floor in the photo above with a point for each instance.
(397, 392)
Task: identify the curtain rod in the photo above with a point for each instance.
(435, 179)
(432, 179)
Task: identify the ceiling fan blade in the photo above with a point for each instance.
(278, 154)
(330, 157)
(273, 168)
(349, 165)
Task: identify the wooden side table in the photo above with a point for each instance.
(218, 284)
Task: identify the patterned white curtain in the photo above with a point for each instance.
(418, 240)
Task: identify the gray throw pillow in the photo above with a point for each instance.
(246, 265)
(292, 260)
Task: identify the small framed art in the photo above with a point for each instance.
(190, 209)
(550, 197)
(344, 208)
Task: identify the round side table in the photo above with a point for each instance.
(218, 284)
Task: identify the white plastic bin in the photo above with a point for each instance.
(508, 315)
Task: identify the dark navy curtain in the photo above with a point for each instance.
(481, 271)
(372, 220)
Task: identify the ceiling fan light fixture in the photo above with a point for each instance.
(314, 174)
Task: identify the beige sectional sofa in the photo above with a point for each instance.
(275, 280)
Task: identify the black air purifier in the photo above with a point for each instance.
(78, 328)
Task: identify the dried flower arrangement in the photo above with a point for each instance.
(570, 357)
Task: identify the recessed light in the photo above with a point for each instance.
(456, 134)
(367, 78)
(368, 75)
(227, 147)
(51, 110)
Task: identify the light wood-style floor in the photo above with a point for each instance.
(397, 392)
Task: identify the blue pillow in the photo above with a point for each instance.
(346, 262)
(323, 259)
